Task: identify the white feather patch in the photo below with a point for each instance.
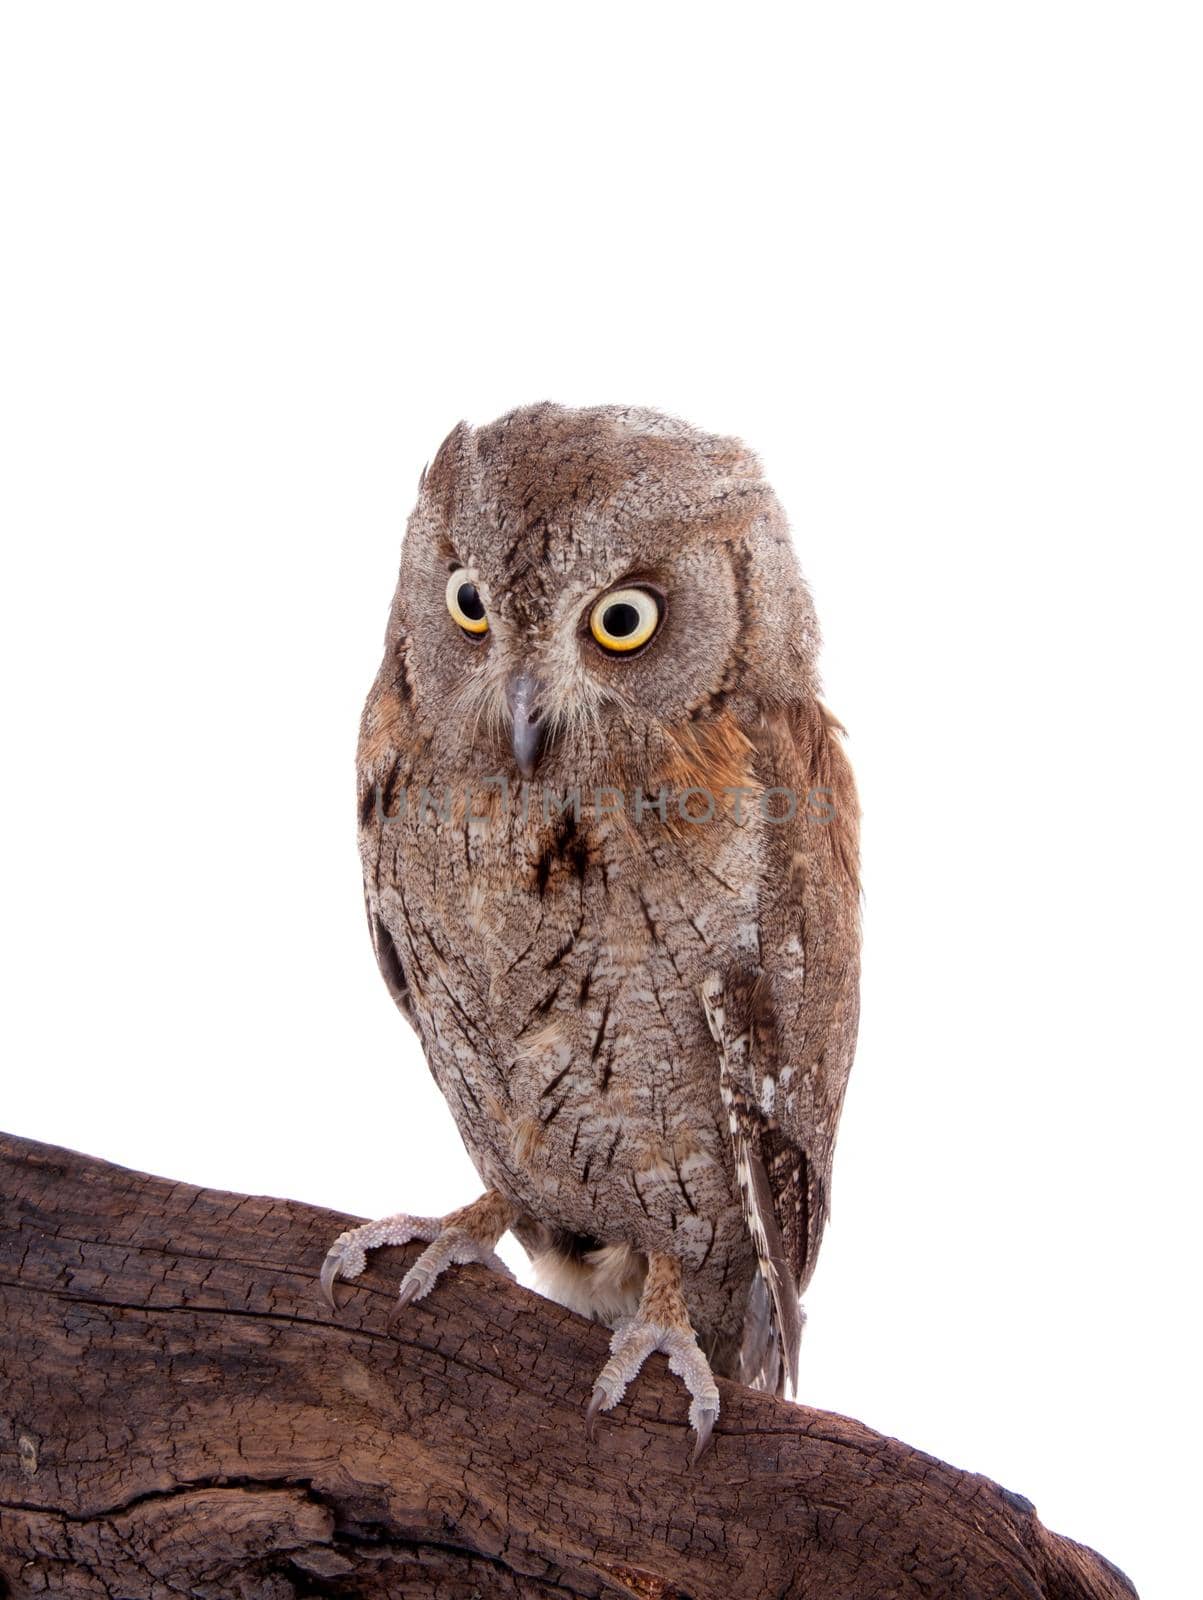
(603, 1284)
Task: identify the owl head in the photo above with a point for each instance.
(581, 588)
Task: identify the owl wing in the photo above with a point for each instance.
(384, 763)
(388, 959)
(786, 1025)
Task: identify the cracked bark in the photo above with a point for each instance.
(179, 1415)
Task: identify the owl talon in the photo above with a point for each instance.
(454, 1246)
(347, 1256)
(633, 1341)
(330, 1270)
(702, 1431)
(636, 1338)
(411, 1290)
(597, 1402)
(465, 1235)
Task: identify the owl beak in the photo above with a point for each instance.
(524, 695)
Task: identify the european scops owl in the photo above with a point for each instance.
(609, 843)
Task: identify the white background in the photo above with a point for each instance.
(941, 265)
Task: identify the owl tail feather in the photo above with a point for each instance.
(774, 1278)
(784, 1312)
(761, 1365)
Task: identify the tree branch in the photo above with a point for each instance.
(181, 1415)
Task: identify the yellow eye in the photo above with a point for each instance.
(465, 604)
(625, 618)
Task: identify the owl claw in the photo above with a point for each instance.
(330, 1271)
(410, 1291)
(346, 1258)
(467, 1235)
(633, 1341)
(702, 1431)
(597, 1402)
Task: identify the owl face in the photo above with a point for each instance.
(576, 585)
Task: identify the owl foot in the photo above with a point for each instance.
(469, 1234)
(661, 1323)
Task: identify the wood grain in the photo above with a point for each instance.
(180, 1415)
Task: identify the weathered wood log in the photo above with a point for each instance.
(180, 1415)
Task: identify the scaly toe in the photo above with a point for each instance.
(468, 1235)
(450, 1247)
(347, 1256)
(344, 1259)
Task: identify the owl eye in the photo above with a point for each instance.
(624, 619)
(465, 604)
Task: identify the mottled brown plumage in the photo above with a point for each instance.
(642, 1019)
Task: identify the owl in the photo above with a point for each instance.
(609, 840)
